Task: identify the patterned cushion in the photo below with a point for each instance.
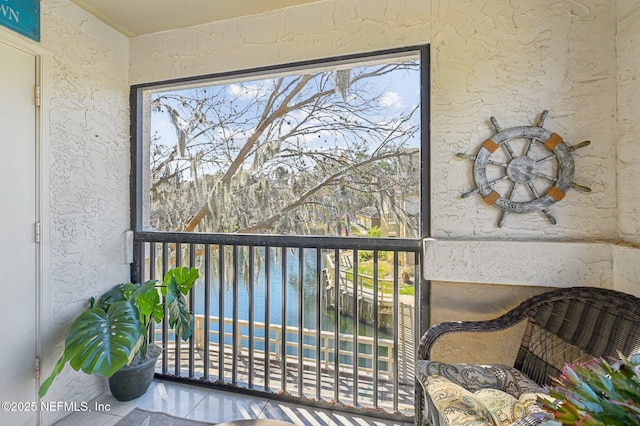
(475, 377)
(505, 409)
(479, 395)
(456, 405)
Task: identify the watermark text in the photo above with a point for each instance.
(53, 406)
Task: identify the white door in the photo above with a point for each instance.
(18, 250)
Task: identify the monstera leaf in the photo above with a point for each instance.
(118, 293)
(101, 342)
(107, 336)
(178, 282)
(184, 277)
(147, 299)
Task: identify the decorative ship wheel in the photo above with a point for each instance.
(532, 166)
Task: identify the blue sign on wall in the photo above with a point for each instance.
(22, 16)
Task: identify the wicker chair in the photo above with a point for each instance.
(563, 326)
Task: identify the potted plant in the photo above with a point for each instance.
(596, 393)
(110, 338)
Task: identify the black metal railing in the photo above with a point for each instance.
(324, 319)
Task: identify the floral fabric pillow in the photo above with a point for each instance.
(474, 377)
(479, 395)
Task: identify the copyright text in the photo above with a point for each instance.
(52, 406)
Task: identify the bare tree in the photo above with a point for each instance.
(290, 154)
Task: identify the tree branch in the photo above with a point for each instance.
(262, 126)
(301, 200)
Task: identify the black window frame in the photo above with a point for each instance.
(136, 98)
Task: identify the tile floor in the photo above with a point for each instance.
(214, 406)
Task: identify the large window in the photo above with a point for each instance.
(331, 148)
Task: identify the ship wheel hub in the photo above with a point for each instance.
(522, 169)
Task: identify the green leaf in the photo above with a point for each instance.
(44, 387)
(597, 393)
(107, 336)
(184, 278)
(587, 392)
(180, 317)
(147, 299)
(571, 376)
(101, 342)
(142, 289)
(177, 283)
(118, 293)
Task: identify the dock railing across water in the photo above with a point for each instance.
(281, 335)
(326, 348)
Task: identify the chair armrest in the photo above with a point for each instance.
(599, 299)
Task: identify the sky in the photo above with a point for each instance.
(402, 90)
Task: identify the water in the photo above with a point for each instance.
(292, 290)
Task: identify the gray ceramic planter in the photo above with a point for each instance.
(132, 381)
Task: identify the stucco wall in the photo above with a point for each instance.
(628, 114)
(489, 58)
(318, 30)
(511, 60)
(627, 260)
(88, 141)
(85, 161)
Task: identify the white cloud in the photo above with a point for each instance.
(250, 91)
(391, 100)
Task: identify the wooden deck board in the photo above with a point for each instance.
(292, 370)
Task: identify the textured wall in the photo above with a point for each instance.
(86, 107)
(318, 30)
(496, 58)
(511, 60)
(628, 51)
(540, 263)
(489, 58)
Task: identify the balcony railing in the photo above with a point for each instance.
(282, 315)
